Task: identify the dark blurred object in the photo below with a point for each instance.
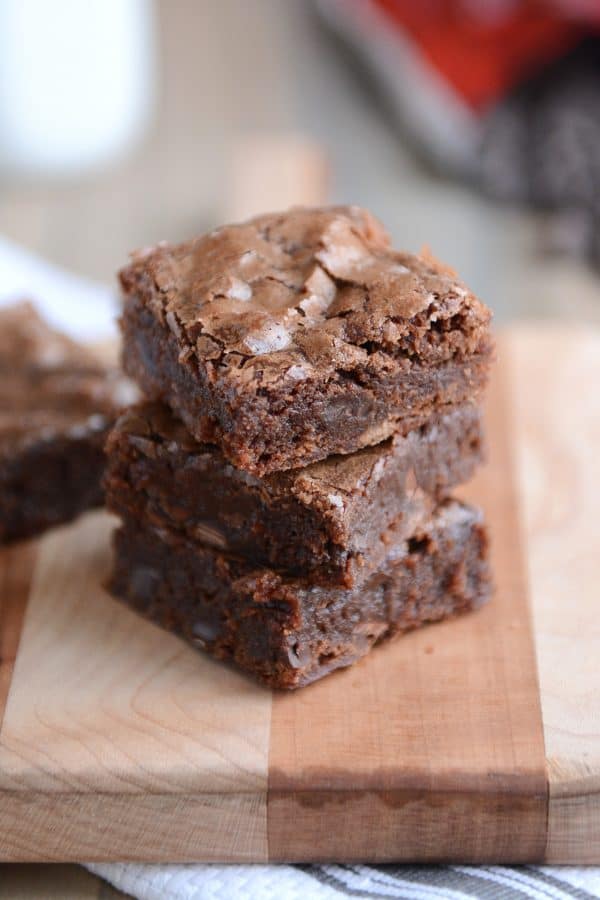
(541, 145)
(504, 92)
(57, 403)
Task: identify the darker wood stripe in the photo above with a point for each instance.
(432, 748)
(16, 571)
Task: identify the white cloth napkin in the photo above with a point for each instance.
(87, 310)
(211, 882)
(84, 309)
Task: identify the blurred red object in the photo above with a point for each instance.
(502, 93)
(482, 49)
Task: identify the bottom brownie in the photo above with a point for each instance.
(289, 632)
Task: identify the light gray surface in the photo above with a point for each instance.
(230, 67)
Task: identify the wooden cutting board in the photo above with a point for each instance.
(119, 742)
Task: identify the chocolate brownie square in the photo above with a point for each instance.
(288, 632)
(331, 519)
(300, 335)
(57, 402)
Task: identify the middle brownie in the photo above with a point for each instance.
(329, 520)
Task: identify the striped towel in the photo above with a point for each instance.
(211, 882)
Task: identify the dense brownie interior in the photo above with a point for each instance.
(288, 632)
(331, 519)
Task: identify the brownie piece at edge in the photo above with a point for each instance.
(297, 336)
(332, 519)
(48, 483)
(57, 403)
(286, 632)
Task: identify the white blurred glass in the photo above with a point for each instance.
(76, 83)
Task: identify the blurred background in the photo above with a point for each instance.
(472, 127)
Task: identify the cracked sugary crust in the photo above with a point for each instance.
(57, 402)
(289, 632)
(297, 335)
(332, 519)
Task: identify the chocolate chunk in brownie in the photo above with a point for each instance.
(300, 335)
(57, 402)
(331, 519)
(289, 632)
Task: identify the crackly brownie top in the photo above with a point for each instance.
(303, 289)
(49, 384)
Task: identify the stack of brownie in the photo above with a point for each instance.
(312, 399)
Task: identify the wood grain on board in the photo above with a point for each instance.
(16, 566)
(556, 403)
(120, 742)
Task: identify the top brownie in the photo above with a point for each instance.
(298, 335)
